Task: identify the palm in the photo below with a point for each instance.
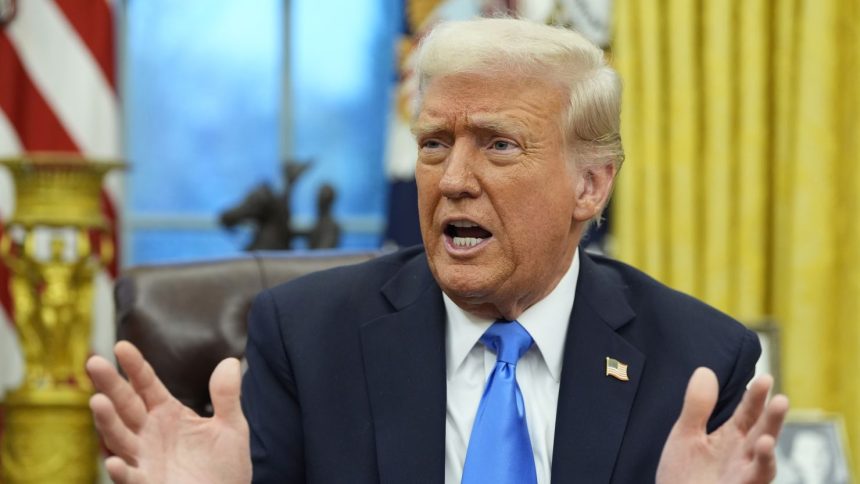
(739, 452)
(156, 439)
(181, 446)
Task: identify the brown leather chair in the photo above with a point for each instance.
(185, 318)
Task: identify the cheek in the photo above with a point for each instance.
(428, 193)
(538, 213)
(424, 180)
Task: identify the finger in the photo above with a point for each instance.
(763, 467)
(752, 404)
(125, 400)
(774, 415)
(122, 473)
(118, 438)
(225, 388)
(141, 375)
(699, 402)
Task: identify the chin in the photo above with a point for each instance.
(459, 281)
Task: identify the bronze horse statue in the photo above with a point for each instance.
(270, 214)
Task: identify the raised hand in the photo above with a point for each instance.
(741, 451)
(155, 438)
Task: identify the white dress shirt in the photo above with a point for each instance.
(469, 364)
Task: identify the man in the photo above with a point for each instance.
(498, 352)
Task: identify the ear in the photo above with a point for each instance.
(593, 187)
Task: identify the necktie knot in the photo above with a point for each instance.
(508, 339)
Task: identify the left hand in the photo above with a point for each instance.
(741, 451)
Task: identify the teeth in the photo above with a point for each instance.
(466, 241)
(464, 223)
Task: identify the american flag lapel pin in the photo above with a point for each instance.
(616, 369)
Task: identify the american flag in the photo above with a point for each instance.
(58, 92)
(616, 369)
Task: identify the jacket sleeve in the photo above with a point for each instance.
(269, 399)
(736, 384)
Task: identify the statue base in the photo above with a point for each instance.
(49, 438)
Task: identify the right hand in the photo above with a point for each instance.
(155, 439)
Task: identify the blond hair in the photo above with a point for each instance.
(592, 116)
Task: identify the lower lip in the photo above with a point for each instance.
(458, 251)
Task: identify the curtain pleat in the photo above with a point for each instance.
(625, 211)
(718, 150)
(684, 90)
(753, 135)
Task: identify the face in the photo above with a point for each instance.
(501, 206)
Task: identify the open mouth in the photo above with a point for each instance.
(465, 234)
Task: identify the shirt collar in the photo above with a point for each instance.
(546, 321)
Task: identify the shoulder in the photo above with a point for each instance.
(353, 289)
(660, 304)
(363, 276)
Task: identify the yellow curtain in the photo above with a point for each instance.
(741, 123)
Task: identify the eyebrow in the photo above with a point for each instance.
(498, 125)
(425, 128)
(476, 122)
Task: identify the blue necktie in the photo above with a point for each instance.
(500, 451)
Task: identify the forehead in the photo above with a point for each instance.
(482, 100)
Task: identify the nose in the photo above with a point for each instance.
(459, 180)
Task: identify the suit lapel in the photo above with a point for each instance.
(592, 407)
(404, 362)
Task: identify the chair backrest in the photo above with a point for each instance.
(185, 318)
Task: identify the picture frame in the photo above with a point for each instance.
(769, 362)
(813, 448)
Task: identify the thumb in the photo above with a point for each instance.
(224, 388)
(699, 402)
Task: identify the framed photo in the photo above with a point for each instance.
(768, 363)
(812, 449)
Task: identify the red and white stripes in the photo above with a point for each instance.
(58, 93)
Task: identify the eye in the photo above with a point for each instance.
(502, 145)
(431, 144)
(432, 151)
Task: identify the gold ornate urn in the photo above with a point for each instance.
(54, 244)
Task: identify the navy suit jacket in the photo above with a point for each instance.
(346, 379)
